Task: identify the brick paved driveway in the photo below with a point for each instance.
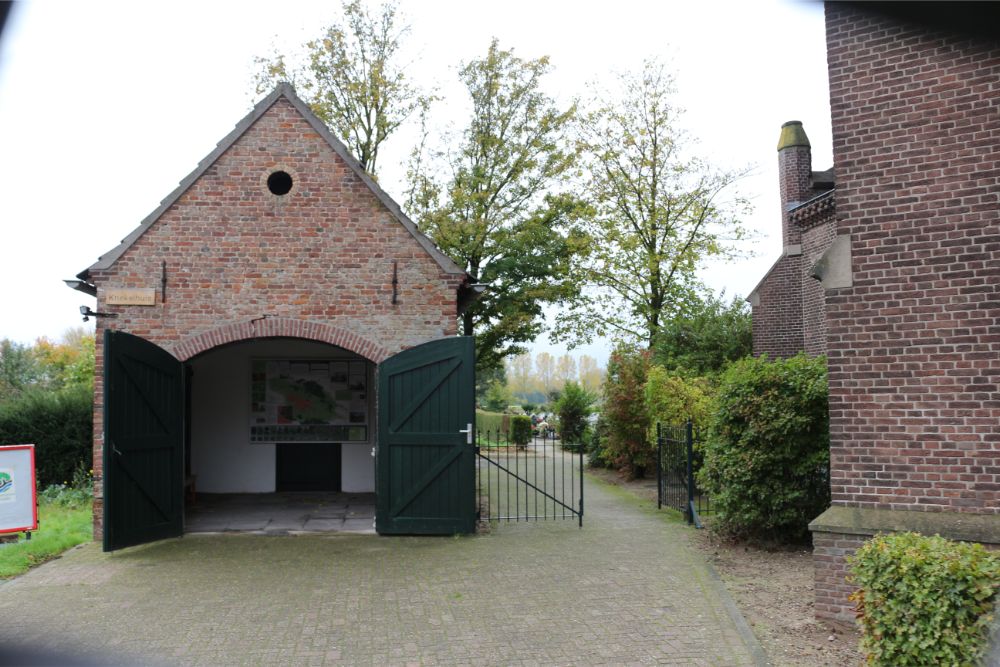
(625, 589)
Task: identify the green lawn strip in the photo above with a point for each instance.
(59, 528)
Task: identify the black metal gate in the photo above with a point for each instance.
(678, 461)
(537, 480)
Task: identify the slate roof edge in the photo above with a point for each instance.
(813, 209)
(285, 90)
(812, 200)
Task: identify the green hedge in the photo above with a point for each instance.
(494, 422)
(924, 600)
(768, 448)
(59, 424)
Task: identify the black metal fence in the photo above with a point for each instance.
(678, 460)
(537, 480)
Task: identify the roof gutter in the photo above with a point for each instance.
(468, 294)
(82, 286)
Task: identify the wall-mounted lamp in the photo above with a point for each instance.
(88, 313)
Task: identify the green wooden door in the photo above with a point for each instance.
(143, 442)
(425, 464)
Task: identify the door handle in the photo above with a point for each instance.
(468, 433)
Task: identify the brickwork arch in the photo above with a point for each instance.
(278, 327)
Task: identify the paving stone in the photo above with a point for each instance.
(627, 588)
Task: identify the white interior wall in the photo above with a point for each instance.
(222, 455)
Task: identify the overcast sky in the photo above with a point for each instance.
(106, 106)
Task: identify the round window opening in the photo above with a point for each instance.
(279, 183)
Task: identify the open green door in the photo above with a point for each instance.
(143, 442)
(425, 460)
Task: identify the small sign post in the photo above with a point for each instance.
(18, 491)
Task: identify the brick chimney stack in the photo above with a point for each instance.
(794, 176)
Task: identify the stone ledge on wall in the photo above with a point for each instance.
(983, 528)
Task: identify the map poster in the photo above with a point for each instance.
(18, 504)
(308, 401)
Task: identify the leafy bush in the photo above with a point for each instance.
(58, 423)
(705, 336)
(520, 430)
(924, 600)
(597, 452)
(768, 448)
(671, 400)
(574, 406)
(79, 492)
(627, 420)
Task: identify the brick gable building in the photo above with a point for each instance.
(910, 281)
(279, 249)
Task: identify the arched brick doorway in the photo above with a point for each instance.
(277, 327)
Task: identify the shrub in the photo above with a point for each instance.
(672, 400)
(597, 452)
(627, 421)
(520, 430)
(58, 423)
(924, 600)
(705, 336)
(768, 448)
(79, 492)
(573, 407)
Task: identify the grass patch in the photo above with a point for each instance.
(60, 527)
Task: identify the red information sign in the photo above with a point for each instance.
(18, 492)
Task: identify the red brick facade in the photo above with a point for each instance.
(777, 310)
(242, 263)
(913, 344)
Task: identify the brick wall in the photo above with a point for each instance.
(913, 345)
(830, 551)
(777, 310)
(243, 263)
(816, 239)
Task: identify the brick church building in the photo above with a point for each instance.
(892, 270)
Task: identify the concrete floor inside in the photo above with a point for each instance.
(279, 513)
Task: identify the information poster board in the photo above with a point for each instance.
(18, 495)
(308, 401)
